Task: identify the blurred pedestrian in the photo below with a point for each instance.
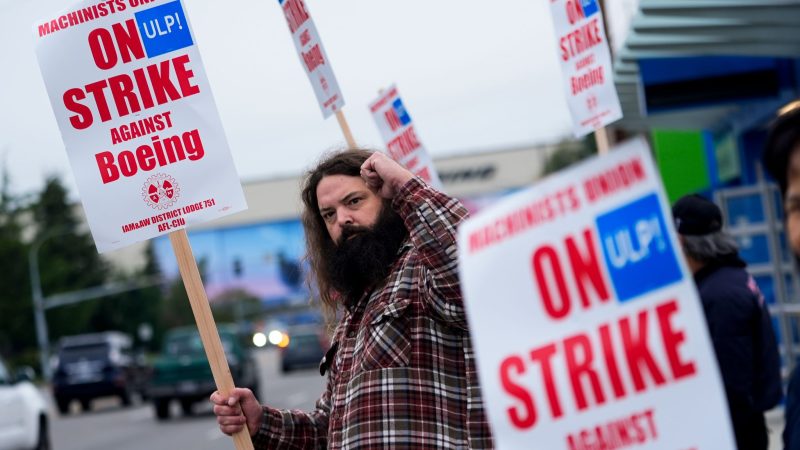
(401, 371)
(738, 320)
(782, 161)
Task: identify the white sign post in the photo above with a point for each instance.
(312, 56)
(587, 326)
(142, 133)
(402, 143)
(586, 64)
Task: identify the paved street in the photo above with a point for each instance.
(108, 426)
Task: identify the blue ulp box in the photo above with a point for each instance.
(163, 29)
(401, 112)
(637, 248)
(590, 7)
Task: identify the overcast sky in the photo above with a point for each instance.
(474, 76)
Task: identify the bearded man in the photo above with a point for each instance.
(401, 370)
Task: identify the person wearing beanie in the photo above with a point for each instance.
(782, 160)
(737, 317)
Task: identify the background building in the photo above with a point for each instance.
(703, 80)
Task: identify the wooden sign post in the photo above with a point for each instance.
(140, 155)
(205, 324)
(348, 136)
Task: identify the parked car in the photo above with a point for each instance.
(24, 422)
(89, 366)
(307, 345)
(182, 371)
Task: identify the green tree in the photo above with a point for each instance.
(227, 303)
(17, 332)
(569, 152)
(176, 310)
(68, 259)
(128, 311)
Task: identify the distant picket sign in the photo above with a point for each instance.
(402, 143)
(586, 323)
(586, 64)
(138, 119)
(312, 56)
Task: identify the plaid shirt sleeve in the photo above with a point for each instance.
(432, 219)
(283, 429)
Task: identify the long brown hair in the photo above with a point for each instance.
(342, 162)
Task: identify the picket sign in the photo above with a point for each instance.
(143, 136)
(398, 133)
(201, 310)
(315, 63)
(348, 136)
(585, 59)
(587, 326)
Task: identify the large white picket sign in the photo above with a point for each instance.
(586, 64)
(587, 327)
(138, 119)
(397, 130)
(312, 56)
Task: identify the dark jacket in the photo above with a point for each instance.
(791, 429)
(744, 343)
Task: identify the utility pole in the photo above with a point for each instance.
(38, 308)
(41, 303)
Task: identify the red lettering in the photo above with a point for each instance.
(144, 89)
(586, 266)
(305, 37)
(184, 75)
(543, 355)
(96, 89)
(591, 78)
(524, 417)
(581, 40)
(637, 352)
(162, 85)
(296, 14)
(167, 151)
(127, 163)
(83, 117)
(108, 170)
(146, 157)
(121, 87)
(392, 119)
(547, 256)
(614, 179)
(128, 40)
(313, 58)
(672, 340)
(403, 145)
(615, 434)
(101, 45)
(574, 11)
(578, 353)
(611, 361)
(651, 423)
(133, 95)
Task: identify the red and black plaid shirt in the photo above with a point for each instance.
(403, 376)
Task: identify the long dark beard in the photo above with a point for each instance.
(364, 256)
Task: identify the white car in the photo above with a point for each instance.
(24, 416)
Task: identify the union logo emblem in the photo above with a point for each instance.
(160, 191)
